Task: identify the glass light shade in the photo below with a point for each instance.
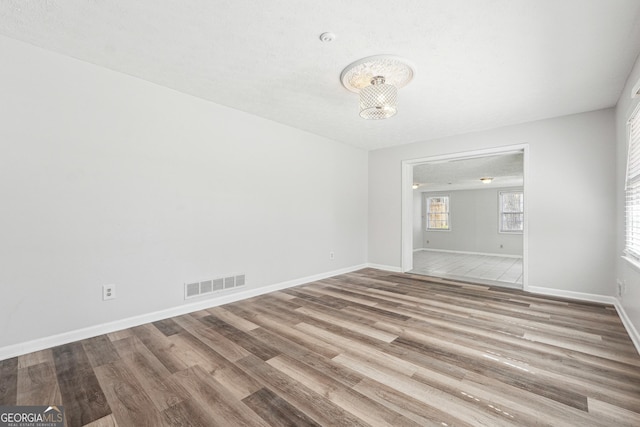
(379, 100)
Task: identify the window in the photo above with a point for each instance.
(632, 189)
(437, 213)
(511, 211)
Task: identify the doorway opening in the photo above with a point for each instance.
(464, 216)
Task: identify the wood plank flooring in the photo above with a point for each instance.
(365, 348)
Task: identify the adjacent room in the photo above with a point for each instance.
(331, 213)
(468, 220)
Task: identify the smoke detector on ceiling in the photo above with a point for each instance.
(327, 37)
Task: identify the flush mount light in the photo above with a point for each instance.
(486, 180)
(415, 186)
(377, 80)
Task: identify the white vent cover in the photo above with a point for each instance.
(192, 290)
(218, 284)
(229, 282)
(240, 280)
(212, 286)
(206, 286)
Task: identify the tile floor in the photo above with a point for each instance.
(489, 269)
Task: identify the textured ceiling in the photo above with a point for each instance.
(479, 64)
(507, 170)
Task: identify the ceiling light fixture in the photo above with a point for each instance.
(415, 186)
(486, 180)
(377, 80)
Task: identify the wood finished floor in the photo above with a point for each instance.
(365, 348)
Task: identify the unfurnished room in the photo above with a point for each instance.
(297, 213)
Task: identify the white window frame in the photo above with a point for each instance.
(632, 189)
(501, 213)
(427, 197)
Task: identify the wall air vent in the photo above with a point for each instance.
(206, 286)
(218, 284)
(191, 290)
(212, 286)
(240, 280)
(229, 282)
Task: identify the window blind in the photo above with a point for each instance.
(438, 213)
(511, 211)
(632, 189)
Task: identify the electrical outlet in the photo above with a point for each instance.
(108, 292)
(621, 287)
(332, 255)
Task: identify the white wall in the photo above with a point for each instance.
(474, 222)
(107, 179)
(569, 197)
(625, 271)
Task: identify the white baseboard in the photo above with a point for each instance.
(605, 299)
(628, 325)
(582, 296)
(385, 267)
(105, 328)
(467, 252)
